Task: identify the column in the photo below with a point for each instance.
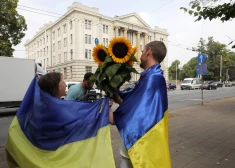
(145, 38)
(116, 28)
(125, 32)
(138, 45)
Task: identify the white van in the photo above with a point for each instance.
(69, 84)
(191, 83)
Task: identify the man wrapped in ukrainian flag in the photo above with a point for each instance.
(49, 132)
(142, 117)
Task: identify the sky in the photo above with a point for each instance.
(183, 31)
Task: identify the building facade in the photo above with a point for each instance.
(66, 45)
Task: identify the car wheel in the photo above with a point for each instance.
(209, 88)
(182, 89)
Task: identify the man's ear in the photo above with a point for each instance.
(148, 52)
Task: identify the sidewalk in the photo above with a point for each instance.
(200, 136)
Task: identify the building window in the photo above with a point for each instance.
(43, 40)
(87, 39)
(59, 45)
(65, 27)
(71, 54)
(58, 32)
(40, 53)
(87, 54)
(105, 42)
(71, 24)
(105, 29)
(65, 56)
(44, 51)
(47, 61)
(47, 49)
(65, 73)
(54, 47)
(71, 72)
(149, 38)
(40, 42)
(65, 42)
(87, 24)
(47, 38)
(88, 69)
(71, 39)
(53, 34)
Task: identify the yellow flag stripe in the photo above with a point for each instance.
(93, 152)
(152, 149)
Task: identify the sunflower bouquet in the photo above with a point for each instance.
(115, 65)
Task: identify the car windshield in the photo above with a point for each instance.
(187, 81)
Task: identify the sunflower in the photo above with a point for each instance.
(99, 53)
(131, 63)
(120, 49)
(134, 49)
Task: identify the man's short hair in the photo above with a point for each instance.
(158, 49)
(87, 75)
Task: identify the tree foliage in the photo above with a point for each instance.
(12, 27)
(213, 50)
(188, 70)
(172, 69)
(210, 9)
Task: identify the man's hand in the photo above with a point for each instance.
(117, 99)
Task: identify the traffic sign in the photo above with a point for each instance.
(201, 58)
(96, 41)
(201, 69)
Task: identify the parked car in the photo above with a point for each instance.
(218, 84)
(171, 86)
(229, 84)
(209, 85)
(128, 87)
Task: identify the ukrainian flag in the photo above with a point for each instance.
(51, 133)
(142, 121)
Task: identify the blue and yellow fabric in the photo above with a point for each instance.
(142, 121)
(48, 132)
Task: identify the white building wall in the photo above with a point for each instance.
(58, 58)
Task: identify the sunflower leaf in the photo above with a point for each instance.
(108, 59)
(112, 70)
(117, 80)
(131, 69)
(93, 79)
(133, 58)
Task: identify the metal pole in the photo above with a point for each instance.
(202, 90)
(176, 75)
(220, 68)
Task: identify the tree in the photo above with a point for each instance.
(189, 69)
(203, 9)
(172, 69)
(12, 27)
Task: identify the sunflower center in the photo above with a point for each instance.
(101, 55)
(120, 50)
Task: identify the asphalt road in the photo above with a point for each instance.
(176, 99)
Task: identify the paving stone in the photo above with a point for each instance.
(196, 165)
